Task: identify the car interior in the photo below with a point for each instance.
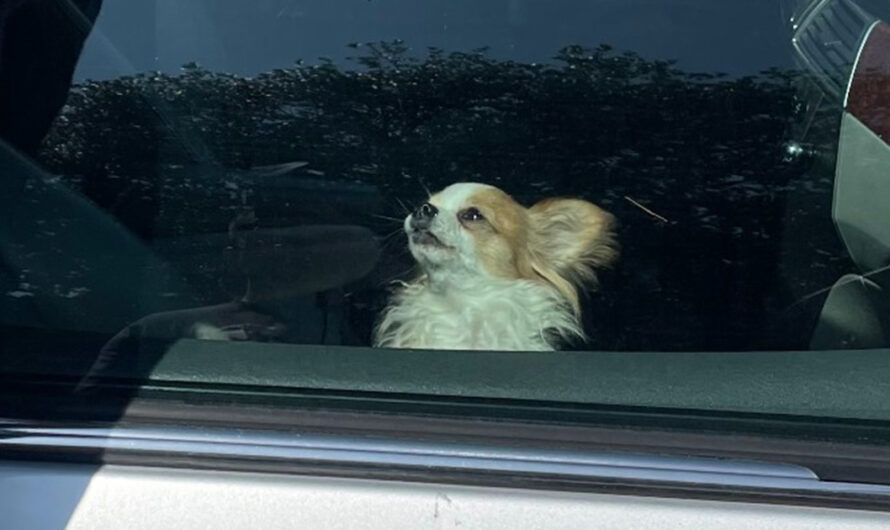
(156, 347)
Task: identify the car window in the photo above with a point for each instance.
(244, 174)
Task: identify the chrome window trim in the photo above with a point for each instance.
(81, 496)
(282, 451)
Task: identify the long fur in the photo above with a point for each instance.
(485, 314)
(510, 283)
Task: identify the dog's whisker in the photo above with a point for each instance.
(390, 235)
(389, 241)
(424, 186)
(393, 244)
(403, 273)
(402, 204)
(388, 218)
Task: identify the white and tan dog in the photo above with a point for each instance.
(496, 275)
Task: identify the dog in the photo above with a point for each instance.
(495, 275)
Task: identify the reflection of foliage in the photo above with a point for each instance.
(703, 150)
(449, 116)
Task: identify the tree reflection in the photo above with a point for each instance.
(693, 164)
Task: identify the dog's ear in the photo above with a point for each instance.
(569, 239)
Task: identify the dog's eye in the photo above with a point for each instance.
(471, 214)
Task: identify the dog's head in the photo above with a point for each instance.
(476, 230)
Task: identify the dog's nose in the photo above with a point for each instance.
(423, 216)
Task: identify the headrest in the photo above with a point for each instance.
(861, 206)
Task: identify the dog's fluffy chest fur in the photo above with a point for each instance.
(494, 315)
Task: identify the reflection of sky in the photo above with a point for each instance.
(247, 37)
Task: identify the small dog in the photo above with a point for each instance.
(496, 275)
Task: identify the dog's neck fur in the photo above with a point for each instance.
(447, 310)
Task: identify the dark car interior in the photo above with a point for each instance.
(312, 268)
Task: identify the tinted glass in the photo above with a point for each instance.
(248, 165)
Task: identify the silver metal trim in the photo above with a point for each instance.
(355, 450)
(856, 62)
(149, 498)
